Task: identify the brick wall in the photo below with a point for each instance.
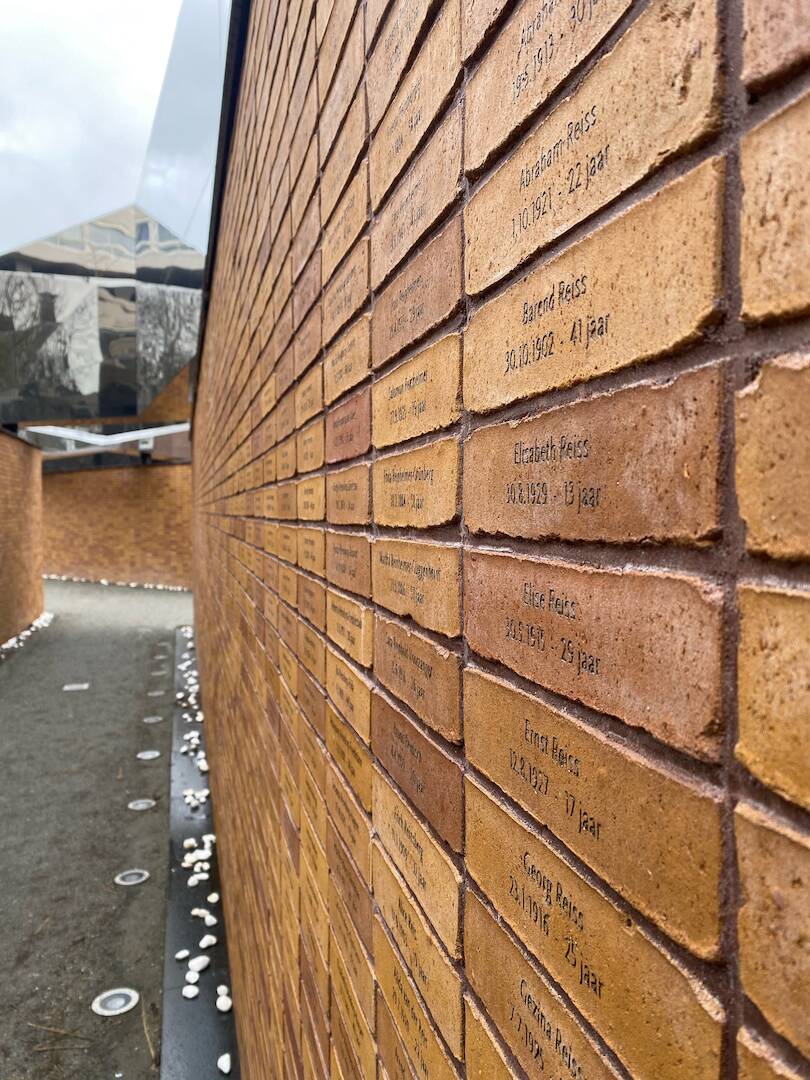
(502, 536)
(127, 524)
(21, 597)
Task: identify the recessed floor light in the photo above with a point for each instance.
(115, 1002)
(76, 686)
(153, 719)
(147, 755)
(131, 877)
(141, 804)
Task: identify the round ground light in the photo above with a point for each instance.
(147, 755)
(141, 804)
(115, 1002)
(153, 719)
(131, 877)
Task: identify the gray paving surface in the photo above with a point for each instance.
(67, 770)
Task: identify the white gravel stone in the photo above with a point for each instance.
(190, 992)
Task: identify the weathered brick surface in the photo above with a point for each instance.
(21, 557)
(128, 524)
(502, 531)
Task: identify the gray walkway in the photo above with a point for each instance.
(67, 771)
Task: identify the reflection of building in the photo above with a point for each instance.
(126, 243)
(96, 320)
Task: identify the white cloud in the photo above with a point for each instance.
(79, 85)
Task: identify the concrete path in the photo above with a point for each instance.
(67, 771)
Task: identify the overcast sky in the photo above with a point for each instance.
(80, 82)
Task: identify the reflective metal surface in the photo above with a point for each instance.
(97, 320)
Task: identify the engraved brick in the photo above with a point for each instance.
(286, 458)
(285, 414)
(476, 18)
(351, 756)
(424, 675)
(353, 890)
(420, 96)
(578, 783)
(287, 510)
(350, 821)
(619, 979)
(776, 38)
(375, 9)
(587, 312)
(348, 361)
(482, 1055)
(773, 684)
(305, 185)
(289, 667)
(538, 1028)
(420, 487)
(314, 910)
(601, 140)
(312, 498)
(348, 75)
(758, 1061)
(424, 193)
(572, 473)
(312, 550)
(310, 446)
(348, 562)
(309, 396)
(423, 770)
(307, 289)
(425, 1050)
(774, 272)
(348, 427)
(347, 292)
(774, 501)
(394, 1061)
(312, 754)
(531, 56)
(307, 236)
(420, 297)
(358, 968)
(427, 963)
(587, 634)
(334, 34)
(312, 651)
(288, 585)
(391, 53)
(343, 158)
(351, 626)
(361, 1041)
(426, 868)
(288, 540)
(774, 921)
(348, 495)
(347, 222)
(312, 702)
(313, 853)
(419, 396)
(421, 580)
(307, 343)
(351, 692)
(323, 12)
